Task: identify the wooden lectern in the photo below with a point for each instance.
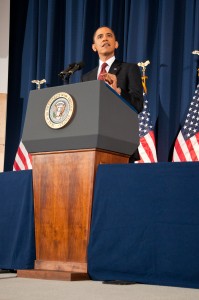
(104, 129)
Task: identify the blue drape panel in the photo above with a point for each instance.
(47, 35)
(17, 240)
(145, 224)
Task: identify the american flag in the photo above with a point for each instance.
(186, 146)
(23, 160)
(147, 148)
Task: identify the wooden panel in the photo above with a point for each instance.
(105, 157)
(60, 265)
(52, 275)
(3, 106)
(63, 191)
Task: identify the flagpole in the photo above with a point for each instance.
(197, 53)
(144, 77)
(147, 148)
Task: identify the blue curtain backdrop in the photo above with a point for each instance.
(47, 35)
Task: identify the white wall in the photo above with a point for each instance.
(4, 43)
(4, 54)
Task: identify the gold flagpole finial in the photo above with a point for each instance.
(38, 83)
(143, 65)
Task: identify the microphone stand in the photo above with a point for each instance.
(65, 77)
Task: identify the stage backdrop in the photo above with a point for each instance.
(47, 35)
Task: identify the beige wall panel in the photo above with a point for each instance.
(4, 43)
(3, 107)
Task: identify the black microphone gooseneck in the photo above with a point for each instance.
(64, 72)
(70, 70)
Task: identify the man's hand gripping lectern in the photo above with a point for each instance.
(103, 129)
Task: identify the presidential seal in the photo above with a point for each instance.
(59, 110)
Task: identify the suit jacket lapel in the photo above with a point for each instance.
(115, 67)
(93, 74)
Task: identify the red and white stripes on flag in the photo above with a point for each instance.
(147, 147)
(186, 150)
(186, 146)
(23, 160)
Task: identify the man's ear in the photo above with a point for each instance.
(94, 48)
(116, 44)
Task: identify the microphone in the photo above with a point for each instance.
(64, 72)
(72, 68)
(77, 66)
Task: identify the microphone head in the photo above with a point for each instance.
(71, 69)
(80, 65)
(64, 72)
(70, 66)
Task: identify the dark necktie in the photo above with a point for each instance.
(103, 70)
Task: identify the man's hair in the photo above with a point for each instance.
(102, 27)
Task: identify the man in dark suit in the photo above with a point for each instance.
(124, 78)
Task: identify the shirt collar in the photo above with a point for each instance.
(109, 61)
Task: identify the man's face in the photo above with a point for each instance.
(104, 42)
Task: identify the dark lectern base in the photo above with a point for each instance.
(52, 275)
